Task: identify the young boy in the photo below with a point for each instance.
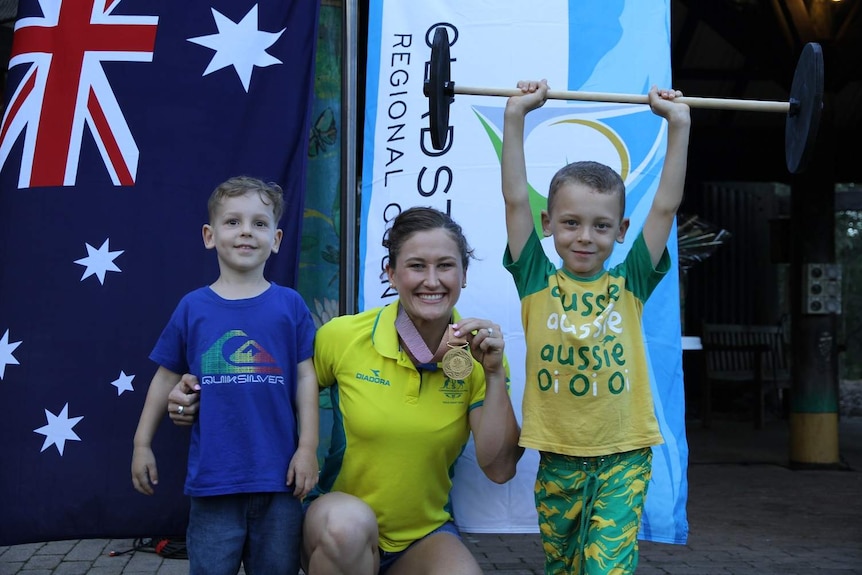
(587, 404)
(253, 451)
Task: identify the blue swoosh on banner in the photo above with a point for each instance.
(594, 29)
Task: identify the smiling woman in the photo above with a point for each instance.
(359, 502)
(396, 409)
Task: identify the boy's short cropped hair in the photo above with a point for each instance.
(270, 194)
(600, 177)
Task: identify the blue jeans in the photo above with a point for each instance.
(262, 531)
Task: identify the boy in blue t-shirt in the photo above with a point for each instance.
(253, 450)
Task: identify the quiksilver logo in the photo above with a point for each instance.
(372, 378)
(242, 378)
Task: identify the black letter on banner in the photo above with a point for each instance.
(388, 216)
(390, 212)
(425, 194)
(397, 128)
(398, 82)
(429, 33)
(398, 114)
(407, 37)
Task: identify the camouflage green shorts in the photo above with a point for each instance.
(590, 511)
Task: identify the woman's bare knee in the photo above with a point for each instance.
(340, 536)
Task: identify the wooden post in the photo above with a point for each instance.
(814, 400)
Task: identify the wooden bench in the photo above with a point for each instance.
(752, 356)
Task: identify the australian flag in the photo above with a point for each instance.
(120, 117)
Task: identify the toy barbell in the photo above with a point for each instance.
(803, 108)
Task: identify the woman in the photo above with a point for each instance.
(400, 421)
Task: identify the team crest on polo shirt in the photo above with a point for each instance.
(453, 389)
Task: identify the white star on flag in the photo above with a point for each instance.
(239, 44)
(98, 262)
(6, 349)
(59, 429)
(123, 383)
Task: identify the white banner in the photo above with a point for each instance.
(597, 45)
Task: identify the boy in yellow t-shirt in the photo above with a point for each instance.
(587, 404)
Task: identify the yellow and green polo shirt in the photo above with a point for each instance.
(397, 430)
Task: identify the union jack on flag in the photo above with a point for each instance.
(119, 119)
(65, 89)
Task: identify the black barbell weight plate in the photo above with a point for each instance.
(803, 110)
(806, 104)
(438, 88)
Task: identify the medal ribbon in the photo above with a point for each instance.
(412, 339)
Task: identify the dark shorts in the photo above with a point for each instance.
(388, 558)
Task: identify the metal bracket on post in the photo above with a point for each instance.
(822, 289)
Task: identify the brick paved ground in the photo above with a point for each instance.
(749, 514)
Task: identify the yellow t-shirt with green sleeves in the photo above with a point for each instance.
(587, 388)
(397, 431)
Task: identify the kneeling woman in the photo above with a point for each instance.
(403, 411)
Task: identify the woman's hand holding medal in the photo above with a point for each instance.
(484, 339)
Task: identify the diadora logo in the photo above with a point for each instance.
(453, 388)
(374, 378)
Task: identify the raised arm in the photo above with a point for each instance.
(671, 185)
(519, 216)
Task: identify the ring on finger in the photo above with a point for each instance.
(180, 410)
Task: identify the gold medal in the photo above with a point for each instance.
(457, 362)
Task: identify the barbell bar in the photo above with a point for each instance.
(803, 108)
